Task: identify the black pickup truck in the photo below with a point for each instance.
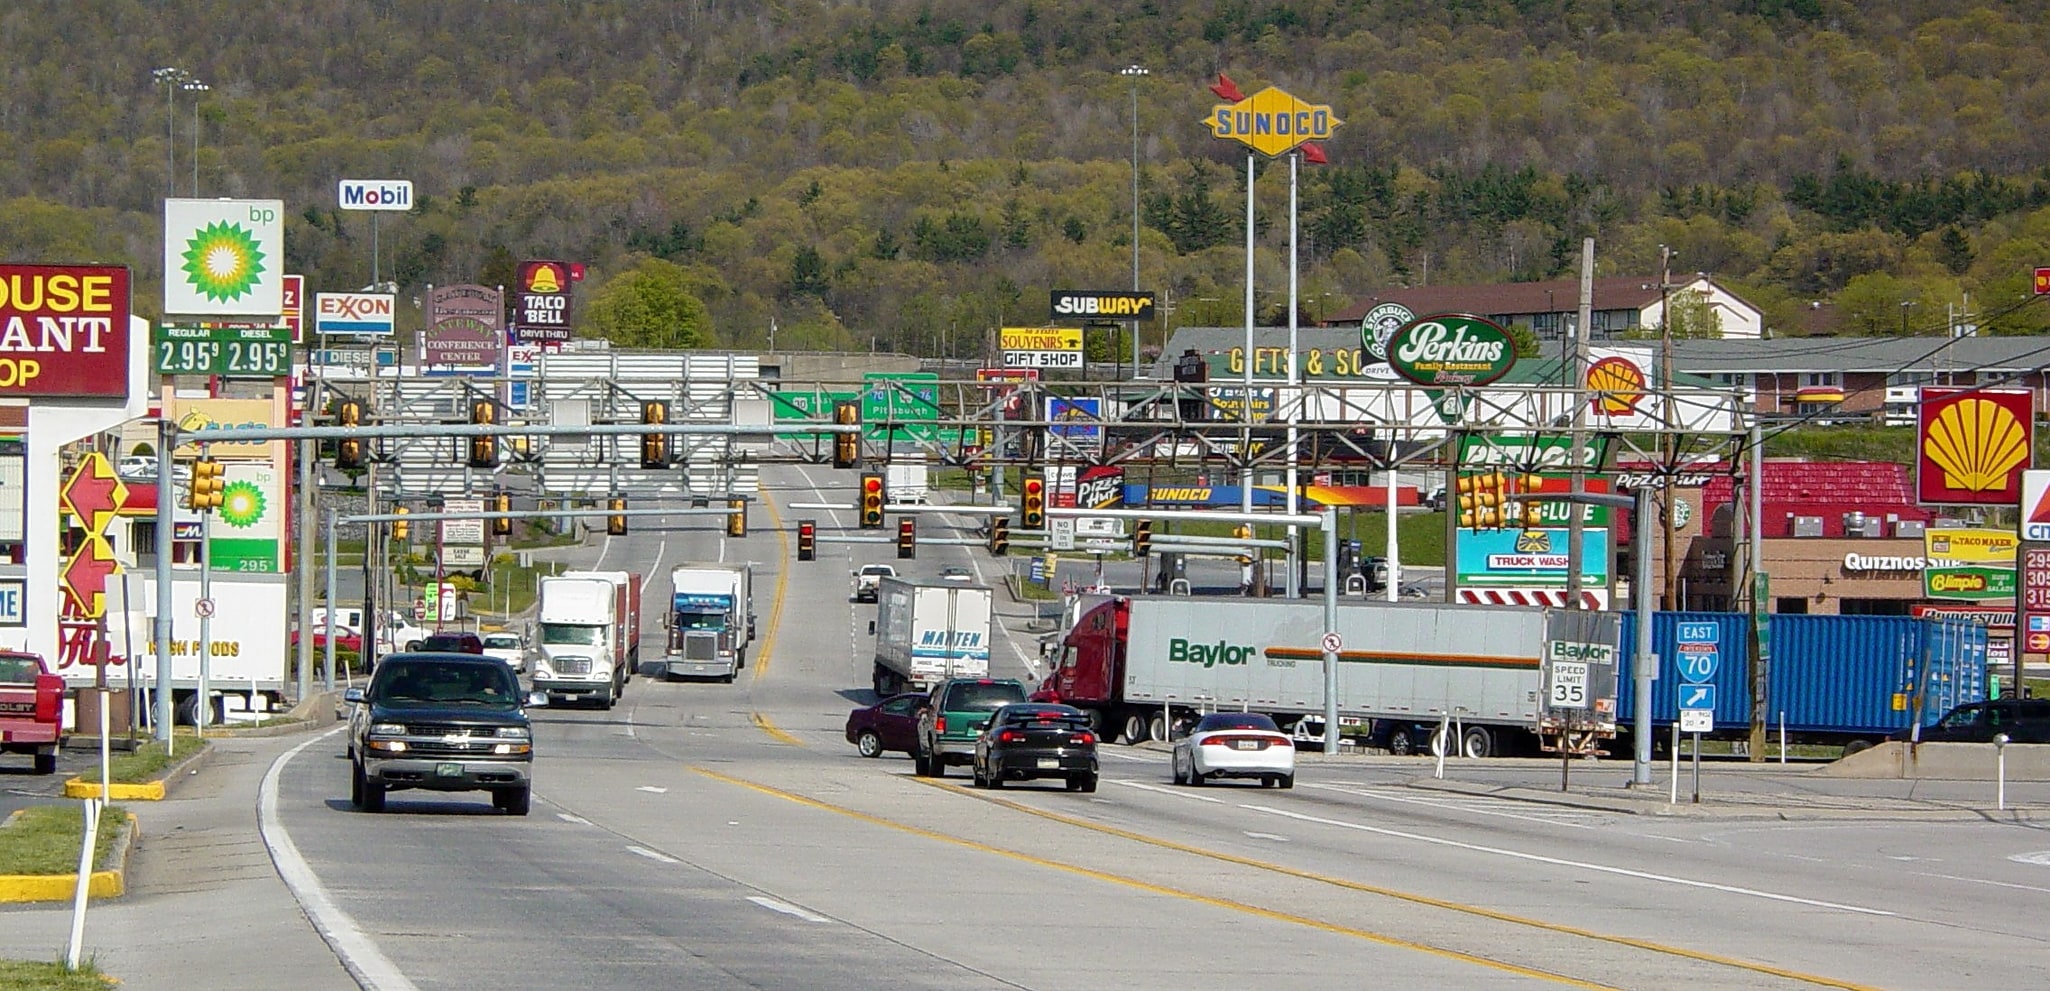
(440, 722)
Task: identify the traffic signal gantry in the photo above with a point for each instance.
(1142, 538)
(907, 538)
(807, 540)
(501, 526)
(1000, 535)
(483, 448)
(615, 525)
(846, 447)
(349, 450)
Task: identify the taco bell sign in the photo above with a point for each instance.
(394, 195)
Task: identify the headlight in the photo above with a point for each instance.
(514, 732)
(388, 729)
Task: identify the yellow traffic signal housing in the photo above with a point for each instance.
(907, 538)
(615, 526)
(736, 521)
(807, 540)
(483, 450)
(1000, 536)
(205, 494)
(349, 450)
(400, 529)
(501, 526)
(1032, 503)
(871, 501)
(1142, 538)
(654, 447)
(846, 447)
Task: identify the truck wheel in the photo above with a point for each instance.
(1400, 742)
(1476, 741)
(921, 765)
(1135, 729)
(46, 763)
(1157, 726)
(1100, 721)
(515, 801)
(869, 744)
(1853, 747)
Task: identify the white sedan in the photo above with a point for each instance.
(508, 647)
(1235, 745)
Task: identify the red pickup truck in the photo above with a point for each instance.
(31, 709)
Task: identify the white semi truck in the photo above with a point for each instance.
(929, 630)
(590, 635)
(711, 620)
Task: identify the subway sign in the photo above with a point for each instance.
(1071, 304)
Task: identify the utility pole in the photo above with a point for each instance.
(1135, 73)
(1670, 575)
(1576, 526)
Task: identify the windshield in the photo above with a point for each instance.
(19, 670)
(428, 683)
(700, 621)
(502, 642)
(570, 633)
(984, 697)
(878, 569)
(1236, 720)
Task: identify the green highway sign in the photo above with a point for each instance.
(251, 352)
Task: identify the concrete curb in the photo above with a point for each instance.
(147, 791)
(110, 883)
(1653, 803)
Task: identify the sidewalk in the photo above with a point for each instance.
(205, 906)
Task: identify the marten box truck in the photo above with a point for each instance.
(1143, 665)
(711, 620)
(927, 631)
(590, 635)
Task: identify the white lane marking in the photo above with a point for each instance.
(1563, 820)
(787, 909)
(579, 820)
(2040, 858)
(1980, 880)
(663, 858)
(1121, 755)
(661, 548)
(358, 953)
(1561, 862)
(722, 550)
(1168, 791)
(653, 789)
(1276, 837)
(603, 549)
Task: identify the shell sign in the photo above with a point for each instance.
(1973, 445)
(1272, 121)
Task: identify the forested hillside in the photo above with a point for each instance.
(911, 173)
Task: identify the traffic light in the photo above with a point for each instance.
(501, 526)
(207, 485)
(907, 538)
(871, 501)
(1243, 532)
(483, 450)
(400, 529)
(1032, 514)
(1000, 536)
(1533, 514)
(1142, 538)
(1481, 499)
(846, 447)
(349, 450)
(615, 526)
(736, 521)
(807, 540)
(654, 447)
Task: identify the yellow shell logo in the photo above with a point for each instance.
(1618, 385)
(1976, 442)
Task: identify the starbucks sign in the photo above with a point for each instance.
(1451, 349)
(1380, 325)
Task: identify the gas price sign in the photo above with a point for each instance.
(247, 352)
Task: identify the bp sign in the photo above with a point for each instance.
(1451, 349)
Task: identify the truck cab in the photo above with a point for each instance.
(710, 621)
(868, 580)
(31, 709)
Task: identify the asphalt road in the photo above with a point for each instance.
(726, 836)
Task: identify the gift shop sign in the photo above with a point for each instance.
(64, 331)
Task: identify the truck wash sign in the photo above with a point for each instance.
(1272, 122)
(64, 331)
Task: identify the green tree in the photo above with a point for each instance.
(648, 306)
(808, 273)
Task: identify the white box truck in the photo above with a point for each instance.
(929, 630)
(589, 636)
(1140, 665)
(711, 620)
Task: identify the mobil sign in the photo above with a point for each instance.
(375, 194)
(353, 313)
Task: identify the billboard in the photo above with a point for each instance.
(1072, 304)
(541, 303)
(354, 313)
(392, 195)
(1041, 347)
(1077, 426)
(1972, 445)
(243, 535)
(1529, 557)
(202, 415)
(465, 326)
(224, 257)
(64, 331)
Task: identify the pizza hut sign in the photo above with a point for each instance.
(1100, 488)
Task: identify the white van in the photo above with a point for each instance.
(396, 632)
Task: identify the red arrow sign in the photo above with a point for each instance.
(85, 578)
(94, 493)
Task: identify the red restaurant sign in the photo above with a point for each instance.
(64, 331)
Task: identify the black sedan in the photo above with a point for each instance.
(1030, 740)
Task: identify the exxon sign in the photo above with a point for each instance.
(376, 194)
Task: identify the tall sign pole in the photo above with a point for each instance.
(1576, 528)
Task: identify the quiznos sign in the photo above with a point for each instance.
(1070, 303)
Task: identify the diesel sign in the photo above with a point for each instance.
(1071, 304)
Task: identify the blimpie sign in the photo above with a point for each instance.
(64, 331)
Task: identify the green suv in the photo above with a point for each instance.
(953, 717)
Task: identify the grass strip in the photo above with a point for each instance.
(43, 839)
(35, 975)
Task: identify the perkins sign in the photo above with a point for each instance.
(1451, 349)
(1069, 304)
(395, 195)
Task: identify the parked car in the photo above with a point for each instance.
(2023, 720)
(452, 643)
(868, 580)
(1036, 740)
(345, 638)
(440, 722)
(508, 647)
(889, 725)
(952, 719)
(144, 468)
(1235, 745)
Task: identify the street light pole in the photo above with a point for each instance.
(169, 77)
(1135, 73)
(195, 87)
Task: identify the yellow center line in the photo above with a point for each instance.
(775, 732)
(1156, 889)
(776, 599)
